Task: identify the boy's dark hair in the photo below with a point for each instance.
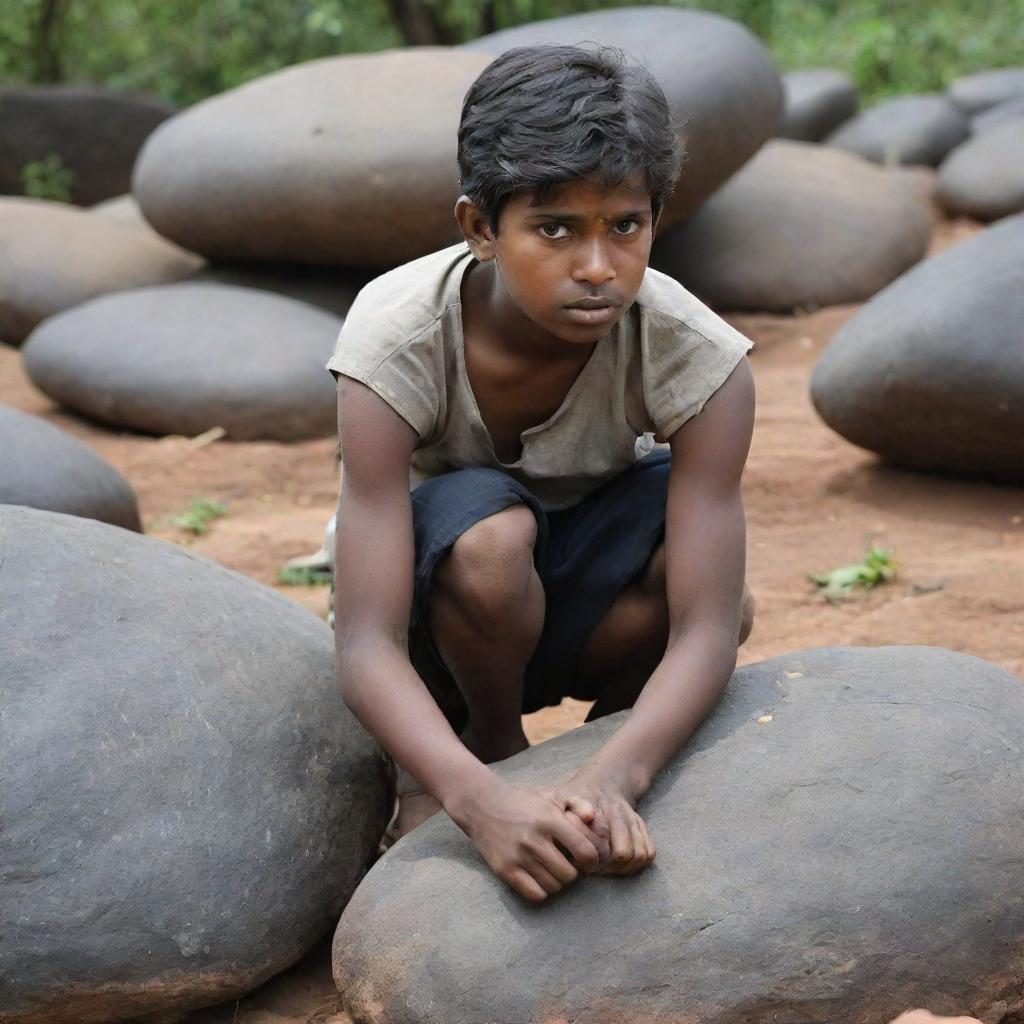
(541, 116)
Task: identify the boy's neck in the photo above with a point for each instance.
(491, 315)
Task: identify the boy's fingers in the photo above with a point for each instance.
(524, 884)
(544, 878)
(621, 844)
(578, 840)
(555, 863)
(584, 808)
(638, 832)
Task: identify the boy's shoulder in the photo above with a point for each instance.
(401, 303)
(670, 309)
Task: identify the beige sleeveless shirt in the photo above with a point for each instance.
(651, 373)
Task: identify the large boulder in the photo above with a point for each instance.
(722, 88)
(929, 373)
(331, 289)
(905, 130)
(346, 161)
(96, 132)
(799, 226)
(53, 257)
(187, 804)
(43, 467)
(818, 100)
(984, 177)
(998, 114)
(977, 92)
(812, 841)
(182, 359)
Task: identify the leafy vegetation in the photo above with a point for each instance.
(48, 179)
(199, 514)
(188, 49)
(303, 576)
(877, 567)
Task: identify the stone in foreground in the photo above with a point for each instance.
(818, 100)
(813, 844)
(43, 467)
(905, 130)
(96, 132)
(182, 359)
(345, 161)
(722, 89)
(53, 257)
(187, 804)
(930, 373)
(984, 177)
(800, 226)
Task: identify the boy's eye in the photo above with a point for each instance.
(628, 226)
(554, 230)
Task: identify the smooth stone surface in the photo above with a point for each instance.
(810, 868)
(721, 86)
(96, 132)
(345, 161)
(905, 130)
(330, 289)
(122, 210)
(817, 100)
(800, 226)
(54, 256)
(43, 467)
(187, 804)
(985, 89)
(1001, 112)
(182, 359)
(930, 372)
(984, 177)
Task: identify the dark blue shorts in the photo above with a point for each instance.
(584, 555)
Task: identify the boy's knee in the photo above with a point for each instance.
(489, 566)
(747, 615)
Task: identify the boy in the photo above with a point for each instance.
(518, 376)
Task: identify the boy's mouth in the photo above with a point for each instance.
(592, 302)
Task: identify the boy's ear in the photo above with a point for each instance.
(475, 228)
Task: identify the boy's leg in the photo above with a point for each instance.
(486, 614)
(626, 646)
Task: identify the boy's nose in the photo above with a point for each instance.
(593, 264)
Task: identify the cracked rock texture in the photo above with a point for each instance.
(857, 853)
(186, 804)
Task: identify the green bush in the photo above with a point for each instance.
(48, 179)
(188, 49)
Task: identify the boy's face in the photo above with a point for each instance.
(574, 261)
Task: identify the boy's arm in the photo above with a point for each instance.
(705, 546)
(516, 829)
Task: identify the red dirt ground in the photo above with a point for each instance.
(812, 501)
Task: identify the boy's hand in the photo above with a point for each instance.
(524, 835)
(601, 803)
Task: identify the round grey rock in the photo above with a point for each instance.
(1001, 112)
(929, 373)
(327, 288)
(905, 130)
(345, 161)
(187, 804)
(96, 132)
(984, 177)
(812, 838)
(43, 467)
(800, 226)
(54, 256)
(723, 91)
(977, 92)
(817, 100)
(182, 359)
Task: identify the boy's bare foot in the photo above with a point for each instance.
(413, 808)
(924, 1017)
